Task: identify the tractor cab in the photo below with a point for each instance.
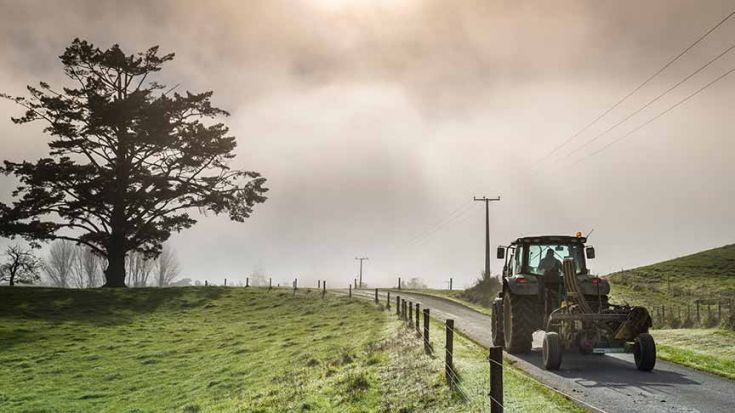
(536, 256)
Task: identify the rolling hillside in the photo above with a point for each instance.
(708, 276)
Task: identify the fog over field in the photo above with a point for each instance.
(376, 122)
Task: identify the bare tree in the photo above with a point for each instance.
(167, 267)
(258, 278)
(58, 267)
(415, 283)
(21, 266)
(86, 269)
(139, 269)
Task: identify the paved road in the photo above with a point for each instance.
(610, 383)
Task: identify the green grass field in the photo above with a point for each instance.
(227, 349)
(708, 276)
(711, 350)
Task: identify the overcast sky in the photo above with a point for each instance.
(377, 121)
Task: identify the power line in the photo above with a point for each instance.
(650, 102)
(669, 109)
(639, 87)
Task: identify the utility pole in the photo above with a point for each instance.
(487, 201)
(361, 259)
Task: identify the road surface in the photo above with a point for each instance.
(610, 382)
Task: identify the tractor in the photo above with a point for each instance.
(547, 286)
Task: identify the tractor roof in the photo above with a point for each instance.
(550, 239)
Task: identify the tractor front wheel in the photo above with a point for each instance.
(644, 352)
(551, 351)
(519, 318)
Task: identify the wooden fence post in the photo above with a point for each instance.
(387, 301)
(427, 346)
(376, 296)
(206, 283)
(270, 283)
(418, 324)
(225, 282)
(356, 283)
(410, 314)
(449, 348)
(450, 283)
(496, 379)
(350, 293)
(398, 305)
(404, 309)
(663, 314)
(324, 288)
(399, 283)
(318, 283)
(247, 282)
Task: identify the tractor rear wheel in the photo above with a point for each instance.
(519, 319)
(551, 351)
(644, 352)
(497, 324)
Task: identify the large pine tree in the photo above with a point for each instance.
(128, 161)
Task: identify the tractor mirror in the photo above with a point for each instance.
(501, 253)
(590, 252)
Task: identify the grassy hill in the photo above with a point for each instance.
(708, 276)
(227, 349)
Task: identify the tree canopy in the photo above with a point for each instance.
(129, 159)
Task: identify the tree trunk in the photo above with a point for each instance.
(115, 272)
(12, 280)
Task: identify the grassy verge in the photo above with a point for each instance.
(711, 350)
(206, 350)
(521, 394)
(453, 295)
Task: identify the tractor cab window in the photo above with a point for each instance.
(542, 257)
(517, 262)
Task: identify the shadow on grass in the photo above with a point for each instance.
(98, 306)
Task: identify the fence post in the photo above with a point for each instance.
(324, 288)
(404, 310)
(356, 283)
(418, 324)
(450, 283)
(206, 283)
(427, 347)
(496, 379)
(225, 282)
(410, 314)
(376, 296)
(663, 314)
(398, 305)
(399, 283)
(270, 283)
(387, 301)
(449, 348)
(318, 283)
(295, 285)
(350, 293)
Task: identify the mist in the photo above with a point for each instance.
(376, 124)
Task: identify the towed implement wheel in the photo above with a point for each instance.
(518, 322)
(497, 324)
(645, 352)
(551, 351)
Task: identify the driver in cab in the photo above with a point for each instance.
(549, 262)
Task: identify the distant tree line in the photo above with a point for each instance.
(70, 265)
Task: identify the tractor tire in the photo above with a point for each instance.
(519, 320)
(551, 351)
(645, 352)
(497, 324)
